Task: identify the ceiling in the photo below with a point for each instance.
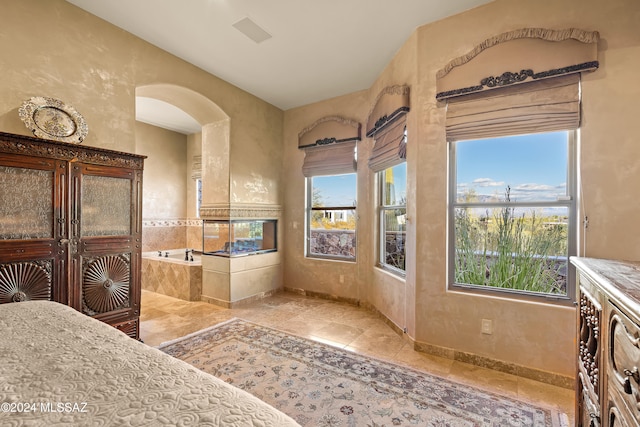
(314, 50)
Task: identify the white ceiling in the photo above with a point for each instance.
(317, 50)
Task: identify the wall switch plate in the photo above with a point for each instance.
(487, 326)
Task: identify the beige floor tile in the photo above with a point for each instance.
(338, 333)
(485, 379)
(435, 365)
(342, 325)
(378, 341)
(557, 397)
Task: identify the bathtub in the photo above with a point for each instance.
(171, 275)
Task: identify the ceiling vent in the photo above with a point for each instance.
(250, 29)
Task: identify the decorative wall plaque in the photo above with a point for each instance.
(50, 118)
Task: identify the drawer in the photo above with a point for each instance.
(618, 414)
(624, 357)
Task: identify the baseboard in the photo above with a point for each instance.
(241, 302)
(448, 353)
(497, 365)
(321, 295)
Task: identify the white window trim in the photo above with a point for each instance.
(381, 234)
(572, 190)
(308, 212)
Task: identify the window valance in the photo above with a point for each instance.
(329, 130)
(329, 145)
(517, 57)
(391, 104)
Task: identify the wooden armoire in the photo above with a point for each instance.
(71, 228)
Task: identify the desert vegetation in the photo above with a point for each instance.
(508, 247)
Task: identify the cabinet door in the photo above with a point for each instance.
(105, 243)
(33, 230)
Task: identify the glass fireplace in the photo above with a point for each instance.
(232, 238)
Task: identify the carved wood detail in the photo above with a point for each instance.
(24, 281)
(106, 284)
(590, 317)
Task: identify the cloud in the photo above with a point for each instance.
(490, 190)
(533, 187)
(488, 182)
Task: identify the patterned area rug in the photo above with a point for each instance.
(320, 385)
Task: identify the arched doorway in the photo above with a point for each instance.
(212, 139)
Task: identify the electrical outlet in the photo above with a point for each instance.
(487, 326)
(342, 278)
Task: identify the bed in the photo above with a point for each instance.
(59, 367)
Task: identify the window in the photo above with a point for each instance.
(392, 211)
(512, 214)
(198, 196)
(331, 216)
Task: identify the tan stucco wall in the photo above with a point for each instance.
(52, 48)
(539, 336)
(164, 185)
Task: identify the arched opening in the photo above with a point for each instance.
(176, 178)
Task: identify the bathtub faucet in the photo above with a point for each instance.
(159, 253)
(186, 254)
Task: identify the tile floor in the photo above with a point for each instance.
(356, 329)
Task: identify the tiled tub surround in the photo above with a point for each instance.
(172, 275)
(158, 234)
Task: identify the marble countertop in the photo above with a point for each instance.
(620, 280)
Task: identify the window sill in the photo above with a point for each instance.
(511, 295)
(396, 274)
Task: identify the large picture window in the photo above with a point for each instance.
(331, 216)
(392, 186)
(512, 214)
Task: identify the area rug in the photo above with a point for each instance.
(320, 385)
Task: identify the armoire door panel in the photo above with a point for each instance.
(33, 246)
(103, 224)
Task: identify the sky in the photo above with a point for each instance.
(340, 190)
(534, 166)
(336, 190)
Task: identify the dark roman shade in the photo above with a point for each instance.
(387, 125)
(329, 145)
(536, 90)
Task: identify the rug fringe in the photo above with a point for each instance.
(208, 328)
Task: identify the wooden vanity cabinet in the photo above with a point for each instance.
(608, 381)
(71, 228)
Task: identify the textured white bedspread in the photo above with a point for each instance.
(59, 367)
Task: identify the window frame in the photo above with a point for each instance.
(570, 203)
(198, 192)
(381, 234)
(309, 208)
